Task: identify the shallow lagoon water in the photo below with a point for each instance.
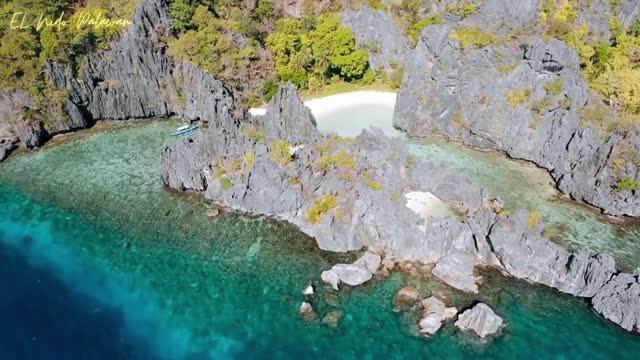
(191, 287)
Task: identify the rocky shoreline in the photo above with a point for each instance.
(525, 98)
(351, 193)
(464, 97)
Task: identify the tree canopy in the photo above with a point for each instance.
(314, 57)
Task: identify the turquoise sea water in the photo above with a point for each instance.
(186, 286)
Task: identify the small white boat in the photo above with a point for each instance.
(185, 129)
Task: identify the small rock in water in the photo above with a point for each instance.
(331, 278)
(308, 291)
(481, 320)
(405, 298)
(434, 314)
(370, 261)
(355, 274)
(213, 212)
(332, 318)
(307, 312)
(352, 274)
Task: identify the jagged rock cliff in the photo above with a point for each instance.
(524, 100)
(134, 79)
(354, 193)
(346, 193)
(374, 31)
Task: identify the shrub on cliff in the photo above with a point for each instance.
(320, 207)
(416, 29)
(472, 37)
(627, 184)
(517, 97)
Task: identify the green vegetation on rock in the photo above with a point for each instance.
(416, 29)
(280, 152)
(611, 66)
(320, 207)
(225, 184)
(627, 184)
(256, 134)
(533, 219)
(517, 97)
(554, 87)
(249, 159)
(341, 160)
(23, 52)
(374, 185)
(472, 37)
(206, 44)
(462, 11)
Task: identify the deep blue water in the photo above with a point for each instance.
(44, 318)
(99, 262)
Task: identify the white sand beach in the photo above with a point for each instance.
(348, 113)
(426, 205)
(332, 103)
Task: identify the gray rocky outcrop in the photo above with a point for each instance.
(344, 193)
(504, 15)
(133, 79)
(355, 274)
(503, 98)
(375, 31)
(526, 254)
(348, 195)
(434, 313)
(7, 146)
(481, 320)
(457, 271)
(628, 11)
(331, 278)
(619, 301)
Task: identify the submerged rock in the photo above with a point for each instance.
(481, 320)
(213, 212)
(434, 314)
(307, 312)
(332, 318)
(405, 298)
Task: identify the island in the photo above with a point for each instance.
(552, 84)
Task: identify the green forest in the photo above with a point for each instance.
(254, 50)
(23, 53)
